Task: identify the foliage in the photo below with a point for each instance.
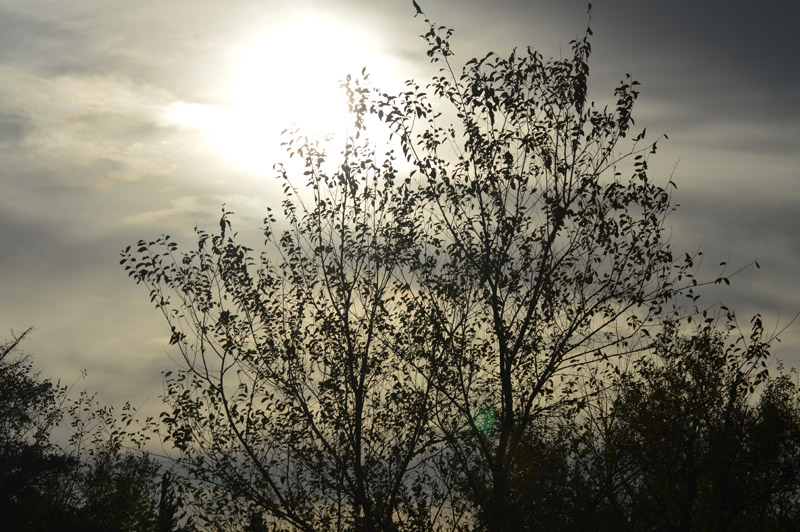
(29, 462)
(86, 483)
(687, 442)
(418, 351)
(296, 402)
(696, 437)
(541, 252)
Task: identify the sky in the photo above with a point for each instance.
(124, 120)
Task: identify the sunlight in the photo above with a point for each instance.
(288, 77)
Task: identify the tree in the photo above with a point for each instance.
(542, 253)
(695, 436)
(699, 437)
(296, 402)
(29, 461)
(119, 492)
(89, 482)
(389, 358)
(171, 516)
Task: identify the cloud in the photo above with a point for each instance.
(710, 59)
(14, 128)
(84, 132)
(34, 43)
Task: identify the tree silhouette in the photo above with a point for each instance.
(396, 355)
(297, 402)
(29, 462)
(542, 247)
(89, 483)
(171, 516)
(686, 444)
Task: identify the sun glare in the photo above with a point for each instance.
(288, 77)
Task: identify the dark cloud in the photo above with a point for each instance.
(751, 226)
(14, 128)
(31, 42)
(712, 57)
(756, 40)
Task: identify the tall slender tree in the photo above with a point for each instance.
(544, 251)
(295, 401)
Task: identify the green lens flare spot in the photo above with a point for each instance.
(485, 420)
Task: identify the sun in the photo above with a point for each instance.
(289, 76)
(293, 74)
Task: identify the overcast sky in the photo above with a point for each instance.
(122, 120)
